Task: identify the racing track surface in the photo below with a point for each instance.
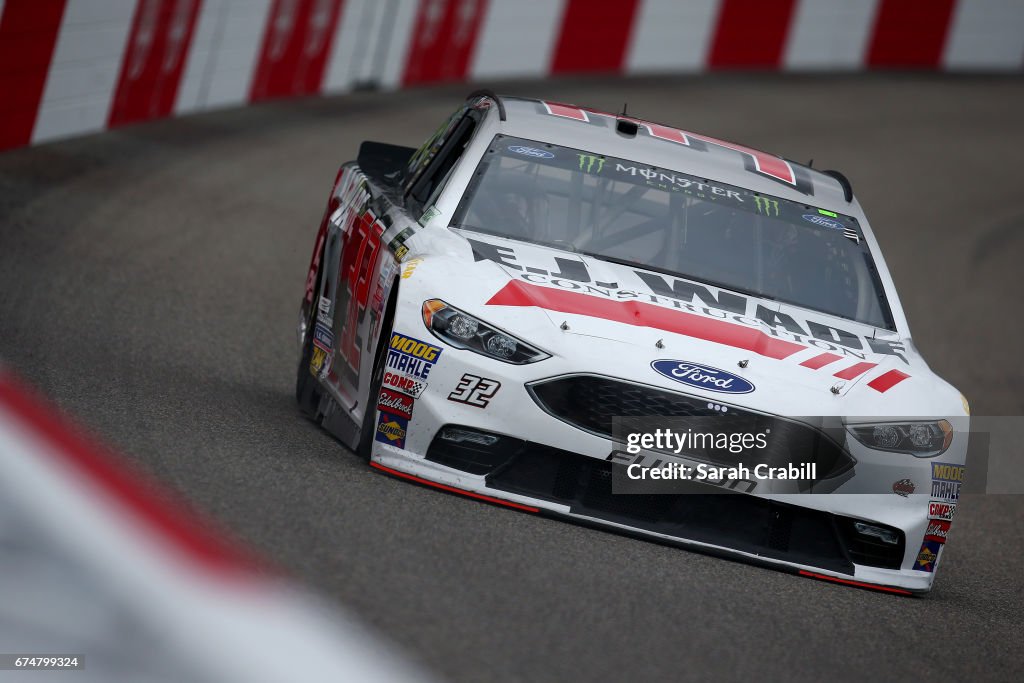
(149, 280)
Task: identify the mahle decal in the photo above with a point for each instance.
(588, 161)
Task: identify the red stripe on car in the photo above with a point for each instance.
(858, 584)
(910, 33)
(517, 293)
(887, 381)
(594, 36)
(28, 36)
(452, 489)
(295, 48)
(855, 370)
(751, 34)
(154, 60)
(566, 111)
(821, 360)
(443, 40)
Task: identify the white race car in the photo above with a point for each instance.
(499, 311)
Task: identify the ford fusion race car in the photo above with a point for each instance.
(481, 313)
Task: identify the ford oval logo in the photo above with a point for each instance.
(531, 152)
(702, 376)
(823, 222)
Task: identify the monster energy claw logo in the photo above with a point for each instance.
(588, 161)
(766, 206)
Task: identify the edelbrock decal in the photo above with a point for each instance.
(531, 152)
(702, 376)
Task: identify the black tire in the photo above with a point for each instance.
(370, 416)
(307, 386)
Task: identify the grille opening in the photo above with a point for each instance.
(590, 403)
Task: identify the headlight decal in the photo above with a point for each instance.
(464, 331)
(923, 439)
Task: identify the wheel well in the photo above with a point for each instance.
(389, 315)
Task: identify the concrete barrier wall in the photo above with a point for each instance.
(69, 67)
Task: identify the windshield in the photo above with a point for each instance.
(626, 212)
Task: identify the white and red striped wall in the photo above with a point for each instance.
(75, 66)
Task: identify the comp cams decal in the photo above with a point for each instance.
(940, 509)
(405, 383)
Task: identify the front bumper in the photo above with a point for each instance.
(559, 469)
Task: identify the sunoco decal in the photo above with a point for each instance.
(702, 377)
(391, 429)
(927, 556)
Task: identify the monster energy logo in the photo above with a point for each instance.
(587, 162)
(766, 206)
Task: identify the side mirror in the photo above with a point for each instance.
(383, 163)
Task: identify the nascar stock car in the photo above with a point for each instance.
(481, 311)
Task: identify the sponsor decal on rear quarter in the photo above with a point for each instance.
(702, 377)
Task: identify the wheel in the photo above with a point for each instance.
(307, 388)
(370, 414)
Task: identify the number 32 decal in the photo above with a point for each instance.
(475, 391)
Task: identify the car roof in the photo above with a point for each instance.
(594, 131)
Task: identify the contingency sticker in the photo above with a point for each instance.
(323, 342)
(927, 556)
(404, 383)
(391, 429)
(395, 402)
(411, 356)
(946, 480)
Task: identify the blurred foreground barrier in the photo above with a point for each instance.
(100, 564)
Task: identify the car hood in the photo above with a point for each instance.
(566, 302)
